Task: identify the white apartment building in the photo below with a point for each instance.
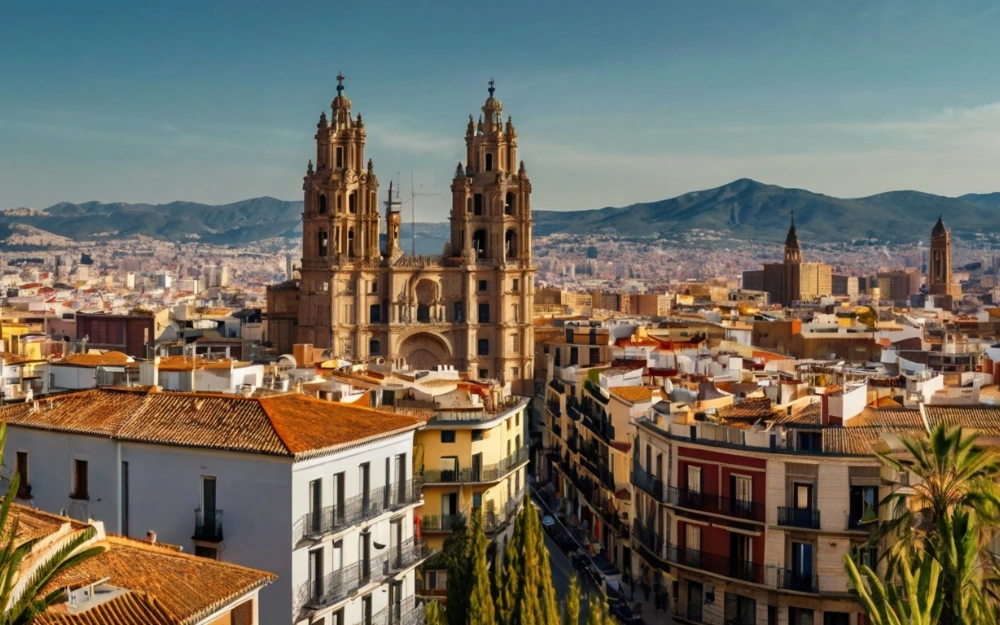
(319, 493)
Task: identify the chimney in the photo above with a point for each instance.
(149, 372)
(151, 537)
(824, 409)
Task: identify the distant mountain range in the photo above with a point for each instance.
(745, 209)
(751, 210)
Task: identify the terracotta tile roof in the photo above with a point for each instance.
(184, 363)
(176, 587)
(96, 360)
(803, 413)
(282, 425)
(131, 608)
(990, 394)
(632, 393)
(758, 408)
(852, 441)
(891, 418)
(983, 418)
(33, 523)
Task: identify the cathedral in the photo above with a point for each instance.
(360, 297)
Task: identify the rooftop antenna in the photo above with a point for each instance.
(413, 214)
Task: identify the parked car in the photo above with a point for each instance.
(549, 524)
(623, 612)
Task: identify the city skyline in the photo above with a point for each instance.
(643, 104)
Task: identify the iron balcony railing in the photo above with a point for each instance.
(650, 484)
(573, 442)
(403, 613)
(208, 525)
(557, 386)
(488, 473)
(652, 542)
(573, 412)
(556, 429)
(798, 517)
(600, 473)
(717, 504)
(717, 565)
(360, 508)
(440, 522)
(790, 579)
(554, 408)
(407, 553)
(341, 583)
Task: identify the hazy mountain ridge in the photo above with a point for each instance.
(745, 208)
(752, 210)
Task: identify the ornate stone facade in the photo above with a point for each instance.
(364, 300)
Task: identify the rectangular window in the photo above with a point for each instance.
(459, 315)
(515, 313)
(516, 285)
(477, 435)
(836, 618)
(595, 355)
(125, 503)
(374, 286)
(484, 313)
(374, 313)
(340, 158)
(21, 468)
(374, 347)
(447, 436)
(803, 496)
(365, 475)
(574, 356)
(694, 479)
(477, 501)
(339, 497)
(864, 505)
(484, 374)
(81, 480)
(477, 204)
(483, 347)
(483, 285)
(316, 506)
(515, 344)
(316, 573)
(387, 492)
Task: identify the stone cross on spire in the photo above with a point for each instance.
(492, 88)
(340, 82)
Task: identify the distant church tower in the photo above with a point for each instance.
(793, 253)
(939, 280)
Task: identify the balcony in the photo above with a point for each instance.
(207, 525)
(360, 508)
(440, 522)
(410, 552)
(554, 408)
(471, 475)
(600, 473)
(557, 386)
(651, 542)
(573, 412)
(573, 442)
(717, 565)
(798, 517)
(798, 581)
(716, 504)
(339, 585)
(651, 485)
(405, 613)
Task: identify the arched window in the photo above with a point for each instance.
(324, 246)
(322, 203)
(350, 242)
(489, 161)
(508, 206)
(352, 202)
(510, 244)
(479, 243)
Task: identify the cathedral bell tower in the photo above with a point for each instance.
(341, 219)
(491, 195)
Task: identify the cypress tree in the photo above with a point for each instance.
(433, 614)
(546, 591)
(572, 613)
(481, 610)
(528, 596)
(457, 561)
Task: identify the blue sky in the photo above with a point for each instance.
(614, 102)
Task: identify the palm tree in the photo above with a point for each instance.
(917, 601)
(21, 608)
(956, 491)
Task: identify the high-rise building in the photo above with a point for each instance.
(939, 279)
(469, 308)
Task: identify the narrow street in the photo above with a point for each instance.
(563, 574)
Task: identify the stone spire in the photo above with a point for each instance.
(793, 253)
